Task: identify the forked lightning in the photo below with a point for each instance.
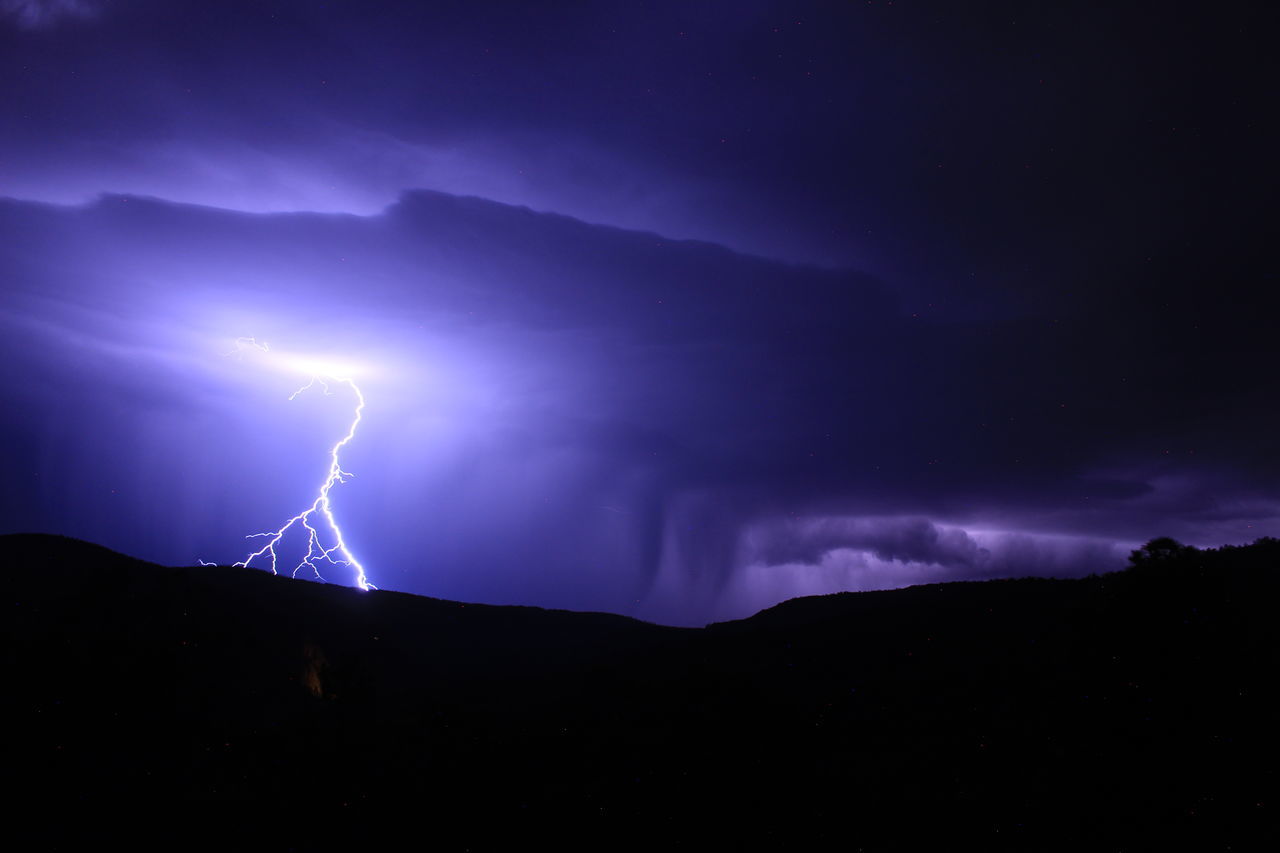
(336, 554)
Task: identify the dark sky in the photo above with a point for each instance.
(675, 310)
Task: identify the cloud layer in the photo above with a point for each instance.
(569, 414)
(666, 309)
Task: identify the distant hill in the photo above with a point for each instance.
(1111, 710)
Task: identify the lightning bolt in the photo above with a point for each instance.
(319, 515)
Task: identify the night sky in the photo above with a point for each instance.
(673, 310)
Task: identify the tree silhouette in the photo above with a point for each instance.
(1160, 551)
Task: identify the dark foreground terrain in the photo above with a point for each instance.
(1115, 712)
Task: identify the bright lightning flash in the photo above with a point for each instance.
(319, 515)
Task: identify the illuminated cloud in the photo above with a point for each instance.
(954, 287)
(46, 14)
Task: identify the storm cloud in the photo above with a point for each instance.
(558, 412)
(664, 311)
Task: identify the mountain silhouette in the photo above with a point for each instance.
(1040, 713)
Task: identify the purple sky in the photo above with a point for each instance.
(674, 310)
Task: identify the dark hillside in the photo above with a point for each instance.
(1033, 712)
